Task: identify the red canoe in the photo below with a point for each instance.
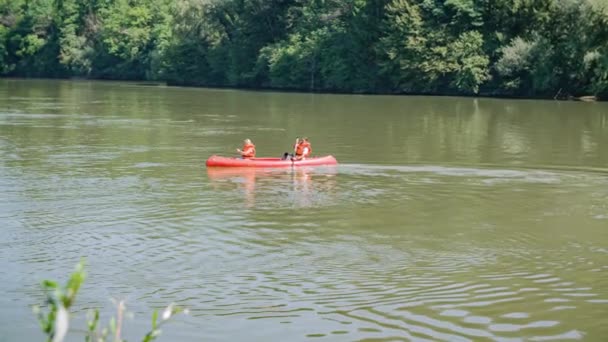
(218, 161)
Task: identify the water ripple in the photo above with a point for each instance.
(355, 252)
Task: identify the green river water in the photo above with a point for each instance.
(448, 219)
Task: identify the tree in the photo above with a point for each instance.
(403, 46)
(470, 64)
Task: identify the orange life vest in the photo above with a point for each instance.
(248, 151)
(300, 149)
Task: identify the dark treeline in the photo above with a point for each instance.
(531, 48)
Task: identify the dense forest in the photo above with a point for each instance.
(529, 48)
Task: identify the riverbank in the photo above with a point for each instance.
(561, 97)
(488, 94)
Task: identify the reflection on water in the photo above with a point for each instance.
(448, 218)
(293, 187)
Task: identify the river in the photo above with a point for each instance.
(448, 218)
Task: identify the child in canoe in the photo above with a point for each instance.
(248, 150)
(302, 149)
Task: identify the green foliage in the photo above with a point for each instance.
(71, 45)
(463, 14)
(127, 29)
(294, 63)
(515, 64)
(132, 33)
(520, 70)
(470, 64)
(404, 46)
(58, 301)
(516, 57)
(92, 324)
(504, 47)
(54, 315)
(419, 58)
(169, 312)
(5, 67)
(596, 64)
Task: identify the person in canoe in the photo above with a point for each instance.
(248, 150)
(303, 149)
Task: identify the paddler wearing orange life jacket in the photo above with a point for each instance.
(303, 149)
(248, 150)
